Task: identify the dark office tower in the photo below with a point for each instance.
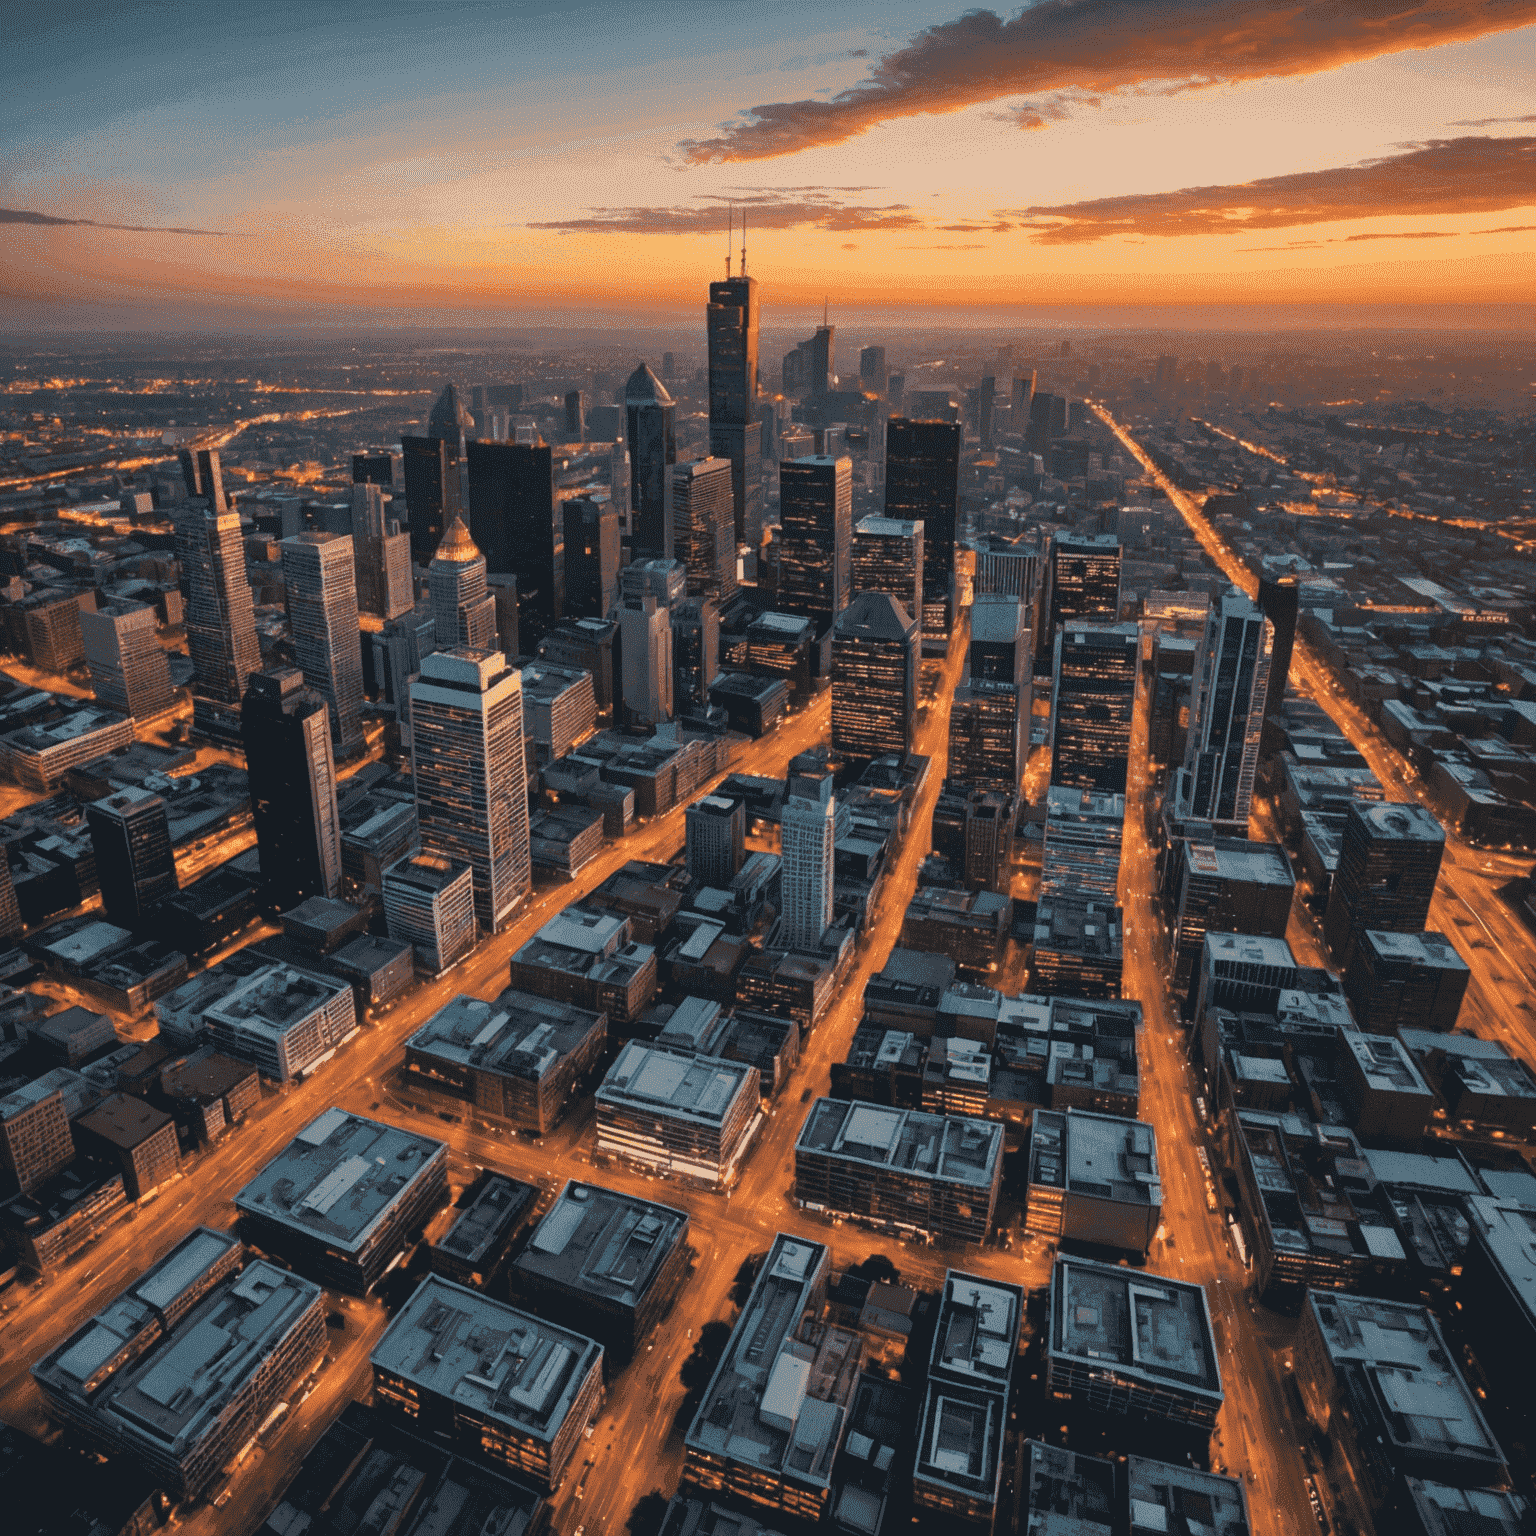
(649, 412)
(131, 838)
(1167, 373)
(986, 399)
(823, 359)
(695, 650)
(1084, 572)
(895, 392)
(1023, 398)
(873, 374)
(888, 557)
(575, 416)
(875, 660)
(450, 420)
(286, 730)
(1389, 860)
(1000, 640)
(129, 670)
(717, 827)
(220, 614)
(734, 430)
(1093, 697)
(703, 529)
(1049, 417)
(381, 556)
(816, 536)
(516, 523)
(432, 498)
(463, 610)
(591, 558)
(922, 480)
(10, 908)
(202, 475)
(668, 366)
(988, 734)
(322, 613)
(1226, 714)
(502, 586)
(373, 469)
(1280, 598)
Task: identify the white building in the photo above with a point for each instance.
(806, 876)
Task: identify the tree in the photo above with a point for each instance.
(745, 1277)
(700, 1364)
(646, 1517)
(878, 1270)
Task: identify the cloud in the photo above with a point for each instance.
(52, 221)
(1443, 176)
(1056, 48)
(814, 208)
(1416, 234)
(980, 247)
(1491, 122)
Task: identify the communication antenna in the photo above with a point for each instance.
(730, 224)
(823, 311)
(743, 242)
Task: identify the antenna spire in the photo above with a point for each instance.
(730, 225)
(823, 311)
(743, 242)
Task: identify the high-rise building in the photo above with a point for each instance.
(471, 782)
(1226, 715)
(35, 1139)
(1167, 373)
(665, 580)
(1000, 648)
(716, 831)
(1389, 860)
(514, 519)
(1084, 572)
(873, 374)
(575, 416)
(319, 575)
(592, 556)
(381, 556)
(986, 398)
(463, 610)
(816, 535)
(649, 416)
(203, 477)
(432, 494)
(1022, 397)
(888, 557)
(988, 734)
(822, 359)
(373, 469)
(451, 421)
(621, 486)
(129, 669)
(286, 730)
(397, 651)
(1280, 598)
(806, 874)
(695, 650)
(734, 430)
(1093, 697)
(875, 661)
(922, 481)
(220, 612)
(131, 838)
(429, 902)
(703, 532)
(645, 636)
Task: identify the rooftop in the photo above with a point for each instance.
(675, 1082)
(1100, 1155)
(338, 1178)
(977, 1336)
(950, 1147)
(1171, 1499)
(275, 999)
(518, 1035)
(1233, 858)
(486, 1219)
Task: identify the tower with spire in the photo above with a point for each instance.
(734, 431)
(650, 420)
(463, 609)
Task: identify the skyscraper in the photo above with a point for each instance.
(734, 430)
(986, 399)
(286, 730)
(1389, 860)
(716, 839)
(432, 495)
(129, 670)
(808, 832)
(1280, 598)
(703, 532)
(621, 485)
(131, 838)
(591, 557)
(1093, 698)
(471, 783)
(875, 660)
(1226, 715)
(220, 614)
(695, 651)
(816, 536)
(1084, 571)
(463, 611)
(873, 374)
(451, 421)
(381, 556)
(922, 481)
(321, 583)
(649, 414)
(888, 557)
(999, 650)
(1023, 396)
(202, 476)
(823, 359)
(515, 521)
(575, 417)
(988, 734)
(645, 637)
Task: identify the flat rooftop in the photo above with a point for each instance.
(1507, 1230)
(1135, 1323)
(1399, 821)
(494, 1361)
(1170, 1499)
(954, 1148)
(518, 1035)
(977, 1335)
(1103, 1156)
(600, 1241)
(674, 1082)
(1067, 1494)
(1249, 949)
(1231, 858)
(481, 1225)
(275, 999)
(339, 1177)
(1418, 949)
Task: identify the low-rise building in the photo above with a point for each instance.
(139, 1137)
(1433, 1509)
(475, 1248)
(1126, 1341)
(208, 1093)
(429, 903)
(342, 1198)
(1079, 947)
(969, 927)
(1484, 1091)
(1228, 885)
(519, 1060)
(508, 1387)
(585, 956)
(678, 1113)
(900, 1169)
(181, 1370)
(285, 1021)
(57, 1218)
(1402, 981)
(1387, 1101)
(1093, 1179)
(612, 1262)
(565, 838)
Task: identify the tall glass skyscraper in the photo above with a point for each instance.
(463, 609)
(807, 846)
(703, 530)
(735, 433)
(220, 615)
(875, 662)
(321, 581)
(1093, 698)
(649, 416)
(514, 520)
(432, 496)
(816, 536)
(922, 480)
